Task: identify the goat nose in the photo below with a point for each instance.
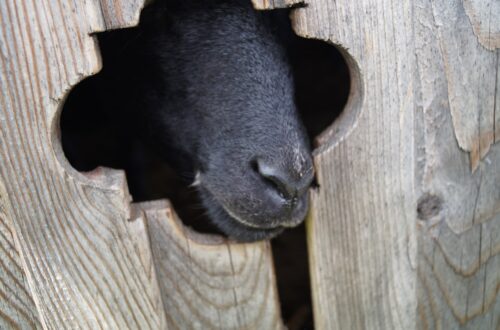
(288, 184)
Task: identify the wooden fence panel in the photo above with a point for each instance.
(404, 229)
(81, 262)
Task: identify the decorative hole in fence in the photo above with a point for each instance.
(98, 130)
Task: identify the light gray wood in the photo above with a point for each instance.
(80, 254)
(17, 309)
(458, 242)
(484, 17)
(118, 13)
(404, 228)
(469, 68)
(272, 4)
(207, 282)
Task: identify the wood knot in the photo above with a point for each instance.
(428, 206)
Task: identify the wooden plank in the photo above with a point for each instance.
(485, 20)
(273, 4)
(17, 309)
(471, 92)
(402, 233)
(82, 257)
(114, 14)
(459, 240)
(207, 282)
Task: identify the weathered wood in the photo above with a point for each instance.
(17, 309)
(79, 253)
(207, 282)
(404, 228)
(468, 66)
(459, 241)
(118, 13)
(272, 4)
(485, 20)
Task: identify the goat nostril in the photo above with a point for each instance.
(255, 165)
(281, 181)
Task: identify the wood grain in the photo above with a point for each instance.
(273, 4)
(118, 13)
(17, 309)
(459, 243)
(402, 232)
(80, 255)
(207, 282)
(485, 20)
(471, 93)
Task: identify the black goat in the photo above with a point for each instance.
(210, 86)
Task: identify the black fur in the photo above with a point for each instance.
(211, 85)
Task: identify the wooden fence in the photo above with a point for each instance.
(404, 229)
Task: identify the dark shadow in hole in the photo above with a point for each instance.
(97, 130)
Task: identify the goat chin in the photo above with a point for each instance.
(234, 224)
(235, 229)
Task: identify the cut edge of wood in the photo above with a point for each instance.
(197, 238)
(276, 4)
(347, 121)
(108, 17)
(194, 237)
(102, 178)
(312, 261)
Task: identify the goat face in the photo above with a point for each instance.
(229, 110)
(254, 167)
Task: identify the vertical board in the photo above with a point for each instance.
(208, 282)
(459, 178)
(404, 229)
(362, 230)
(80, 256)
(82, 268)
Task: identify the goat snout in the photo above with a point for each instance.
(289, 182)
